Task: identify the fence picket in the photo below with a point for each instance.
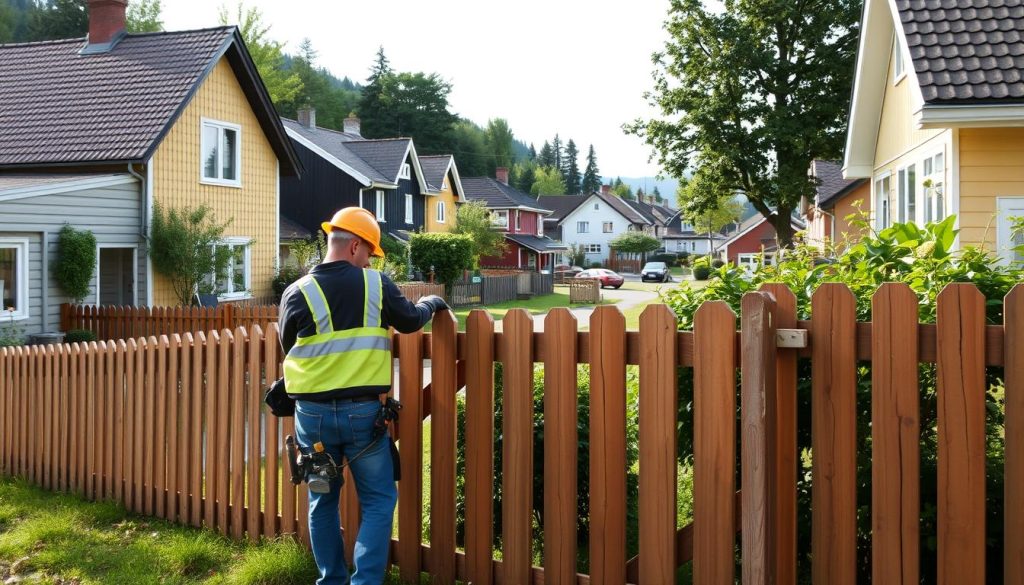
(120, 349)
(173, 417)
(561, 440)
(93, 408)
(139, 444)
(479, 447)
(197, 401)
(961, 412)
(5, 401)
(658, 408)
(222, 438)
(442, 455)
(252, 397)
(714, 474)
(46, 354)
(410, 441)
(127, 435)
(236, 407)
(184, 421)
(758, 366)
(288, 524)
(271, 438)
(517, 431)
(834, 435)
(1013, 347)
(607, 446)
(160, 436)
(210, 455)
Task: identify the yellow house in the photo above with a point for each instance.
(937, 118)
(443, 181)
(182, 115)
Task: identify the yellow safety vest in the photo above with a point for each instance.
(334, 360)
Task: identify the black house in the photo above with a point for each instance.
(344, 169)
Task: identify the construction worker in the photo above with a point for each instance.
(334, 332)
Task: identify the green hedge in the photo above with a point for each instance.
(76, 262)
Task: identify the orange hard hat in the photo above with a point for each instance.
(360, 222)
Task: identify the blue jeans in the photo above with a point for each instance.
(346, 428)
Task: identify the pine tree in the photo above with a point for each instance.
(546, 158)
(556, 151)
(591, 175)
(533, 152)
(657, 195)
(523, 176)
(571, 169)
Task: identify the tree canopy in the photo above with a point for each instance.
(144, 16)
(282, 85)
(548, 182)
(591, 174)
(750, 95)
(474, 220)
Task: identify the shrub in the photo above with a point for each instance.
(717, 263)
(702, 272)
(447, 254)
(595, 265)
(921, 258)
(182, 248)
(76, 262)
(285, 276)
(79, 336)
(634, 243)
(668, 259)
(11, 333)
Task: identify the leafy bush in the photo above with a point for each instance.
(79, 336)
(76, 261)
(447, 254)
(595, 265)
(285, 276)
(683, 258)
(395, 263)
(668, 259)
(11, 333)
(473, 219)
(182, 248)
(634, 243)
(702, 272)
(577, 255)
(717, 263)
(921, 258)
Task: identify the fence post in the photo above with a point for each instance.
(1013, 348)
(757, 335)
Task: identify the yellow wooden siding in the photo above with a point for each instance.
(449, 197)
(252, 208)
(991, 165)
(897, 129)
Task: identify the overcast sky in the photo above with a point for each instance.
(575, 67)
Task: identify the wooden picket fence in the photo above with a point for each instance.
(173, 427)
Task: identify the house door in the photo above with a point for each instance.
(116, 276)
(1006, 240)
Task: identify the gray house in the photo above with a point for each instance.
(33, 209)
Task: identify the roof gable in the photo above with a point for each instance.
(63, 108)
(497, 195)
(561, 205)
(831, 184)
(436, 167)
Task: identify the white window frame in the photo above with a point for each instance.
(404, 172)
(21, 259)
(593, 249)
(1004, 213)
(408, 208)
(882, 220)
(500, 218)
(246, 293)
(220, 126)
(899, 69)
(519, 222)
(135, 269)
(540, 226)
(608, 227)
(906, 185)
(930, 203)
(748, 260)
(440, 212)
(379, 208)
(582, 227)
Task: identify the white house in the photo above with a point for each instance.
(591, 221)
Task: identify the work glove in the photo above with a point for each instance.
(435, 303)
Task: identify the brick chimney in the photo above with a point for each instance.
(106, 20)
(501, 173)
(605, 189)
(351, 125)
(307, 117)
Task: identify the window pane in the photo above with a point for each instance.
(940, 203)
(939, 162)
(9, 278)
(902, 187)
(238, 269)
(911, 193)
(230, 172)
(209, 151)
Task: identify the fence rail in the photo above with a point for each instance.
(173, 426)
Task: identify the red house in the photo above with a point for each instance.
(755, 236)
(521, 218)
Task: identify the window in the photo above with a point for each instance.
(582, 227)
(235, 282)
(607, 227)
(597, 207)
(500, 218)
(593, 248)
(408, 208)
(222, 154)
(907, 179)
(883, 202)
(933, 175)
(380, 205)
(749, 261)
(13, 278)
(518, 221)
(897, 57)
(404, 173)
(440, 215)
(1009, 243)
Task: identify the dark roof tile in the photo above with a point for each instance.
(831, 183)
(966, 51)
(561, 205)
(434, 169)
(497, 195)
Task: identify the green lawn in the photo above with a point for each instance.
(537, 305)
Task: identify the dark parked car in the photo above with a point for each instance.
(656, 271)
(605, 276)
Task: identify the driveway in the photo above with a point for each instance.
(622, 298)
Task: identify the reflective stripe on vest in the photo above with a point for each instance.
(332, 360)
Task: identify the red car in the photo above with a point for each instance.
(607, 277)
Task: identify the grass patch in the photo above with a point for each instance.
(62, 537)
(537, 305)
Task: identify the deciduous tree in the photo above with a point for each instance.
(282, 85)
(474, 220)
(750, 94)
(144, 16)
(549, 182)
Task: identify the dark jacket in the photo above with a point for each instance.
(342, 284)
